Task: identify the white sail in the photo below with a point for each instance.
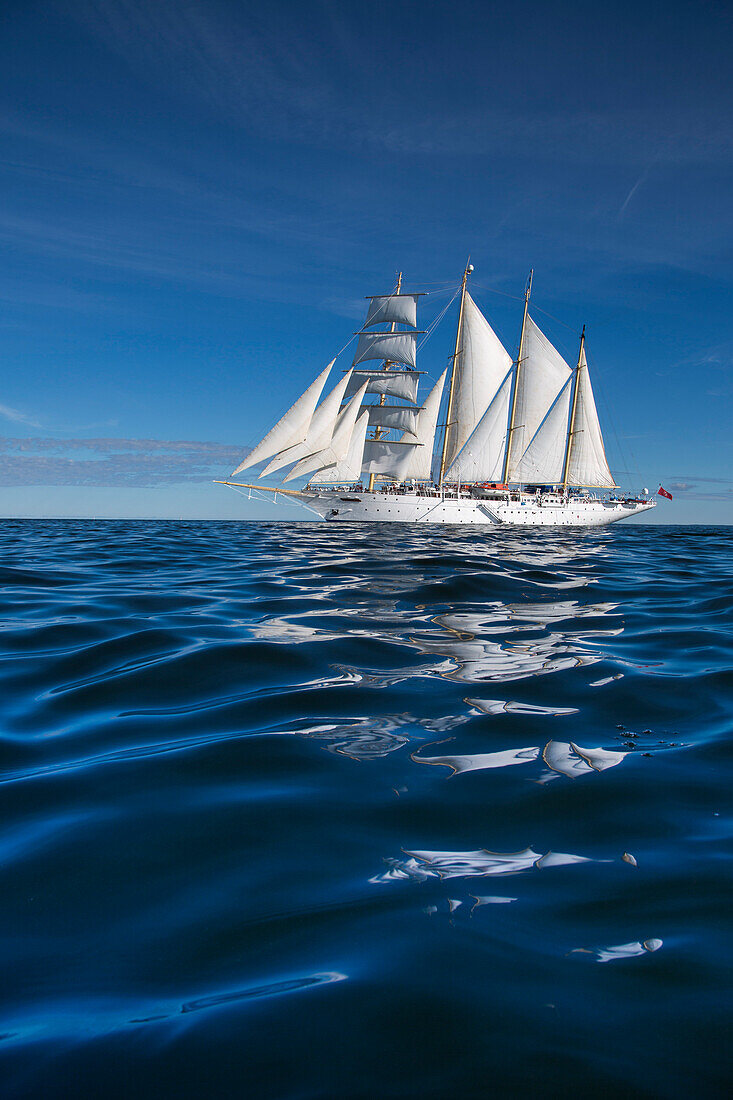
(588, 464)
(338, 446)
(292, 428)
(400, 309)
(398, 347)
(541, 375)
(350, 469)
(320, 431)
(392, 383)
(421, 459)
(542, 463)
(393, 417)
(480, 368)
(482, 458)
(388, 458)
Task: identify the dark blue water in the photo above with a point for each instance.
(290, 810)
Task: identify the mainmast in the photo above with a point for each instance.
(449, 412)
(378, 430)
(511, 428)
(571, 423)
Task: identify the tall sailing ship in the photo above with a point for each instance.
(519, 442)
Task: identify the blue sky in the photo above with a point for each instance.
(199, 193)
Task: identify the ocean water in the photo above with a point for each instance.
(296, 810)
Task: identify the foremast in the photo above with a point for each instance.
(378, 433)
(451, 390)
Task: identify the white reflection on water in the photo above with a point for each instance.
(620, 951)
(482, 760)
(444, 865)
(572, 760)
(562, 758)
(465, 638)
(502, 642)
(362, 738)
(508, 706)
(490, 899)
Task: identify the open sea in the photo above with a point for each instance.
(296, 810)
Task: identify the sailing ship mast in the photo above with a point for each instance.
(449, 412)
(378, 431)
(512, 414)
(571, 424)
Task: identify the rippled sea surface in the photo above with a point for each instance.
(296, 810)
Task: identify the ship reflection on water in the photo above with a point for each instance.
(420, 866)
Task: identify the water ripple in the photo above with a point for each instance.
(241, 762)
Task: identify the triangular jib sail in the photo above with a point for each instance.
(292, 428)
(349, 470)
(320, 431)
(338, 446)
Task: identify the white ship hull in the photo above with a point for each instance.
(364, 507)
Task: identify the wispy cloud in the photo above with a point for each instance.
(642, 179)
(712, 480)
(143, 463)
(256, 70)
(9, 413)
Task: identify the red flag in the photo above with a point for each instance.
(663, 493)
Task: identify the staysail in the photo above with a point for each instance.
(482, 457)
(292, 428)
(338, 446)
(542, 462)
(419, 467)
(540, 375)
(587, 463)
(481, 366)
(349, 469)
(319, 433)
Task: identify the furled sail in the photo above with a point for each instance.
(338, 446)
(588, 464)
(398, 347)
(542, 463)
(481, 366)
(394, 417)
(350, 468)
(400, 309)
(392, 383)
(292, 428)
(419, 467)
(388, 458)
(541, 375)
(319, 433)
(482, 457)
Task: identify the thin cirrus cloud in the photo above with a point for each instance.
(257, 74)
(140, 463)
(18, 417)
